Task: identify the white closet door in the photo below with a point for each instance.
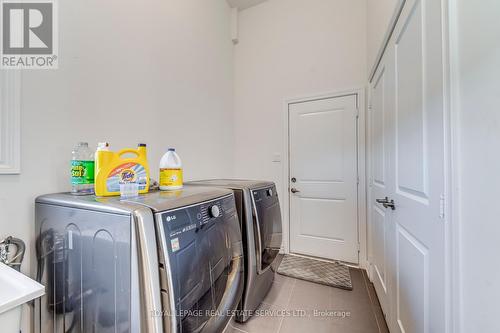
(419, 169)
(381, 184)
(407, 243)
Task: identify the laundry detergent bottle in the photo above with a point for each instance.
(115, 168)
(170, 171)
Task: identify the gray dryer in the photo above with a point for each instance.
(260, 217)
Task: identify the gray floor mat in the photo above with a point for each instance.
(332, 274)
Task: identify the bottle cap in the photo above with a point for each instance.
(171, 149)
(141, 145)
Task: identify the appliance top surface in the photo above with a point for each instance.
(234, 183)
(158, 201)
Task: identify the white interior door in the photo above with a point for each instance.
(381, 182)
(418, 162)
(323, 178)
(407, 165)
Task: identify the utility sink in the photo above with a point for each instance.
(15, 290)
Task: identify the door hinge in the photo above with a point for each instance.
(359, 247)
(442, 207)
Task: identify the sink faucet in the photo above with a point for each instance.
(15, 260)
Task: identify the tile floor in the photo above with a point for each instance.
(294, 305)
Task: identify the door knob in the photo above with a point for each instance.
(386, 203)
(294, 190)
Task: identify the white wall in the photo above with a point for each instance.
(477, 30)
(288, 49)
(244, 4)
(379, 18)
(151, 71)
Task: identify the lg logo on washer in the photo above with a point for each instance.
(29, 35)
(171, 218)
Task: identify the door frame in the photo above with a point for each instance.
(361, 166)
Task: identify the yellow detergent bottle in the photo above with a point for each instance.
(111, 169)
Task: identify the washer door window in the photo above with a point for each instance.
(267, 226)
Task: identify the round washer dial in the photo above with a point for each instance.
(214, 211)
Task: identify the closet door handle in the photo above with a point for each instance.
(390, 205)
(386, 203)
(382, 201)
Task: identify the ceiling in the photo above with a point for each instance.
(244, 4)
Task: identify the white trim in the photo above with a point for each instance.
(452, 179)
(362, 190)
(369, 255)
(362, 231)
(10, 122)
(387, 37)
